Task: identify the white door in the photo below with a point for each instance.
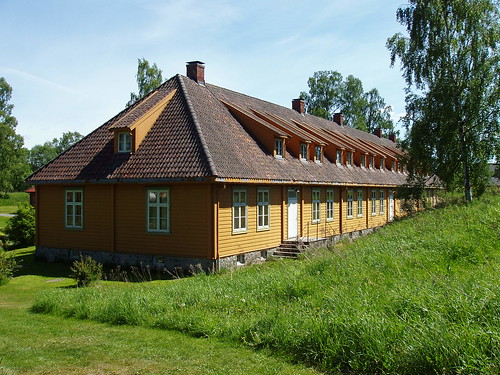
(293, 217)
(391, 205)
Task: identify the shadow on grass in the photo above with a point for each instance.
(29, 265)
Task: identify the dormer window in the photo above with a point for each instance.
(303, 151)
(318, 154)
(278, 148)
(363, 160)
(393, 166)
(372, 162)
(339, 157)
(124, 142)
(382, 163)
(349, 158)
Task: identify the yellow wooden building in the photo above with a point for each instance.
(195, 173)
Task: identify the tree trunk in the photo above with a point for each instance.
(465, 159)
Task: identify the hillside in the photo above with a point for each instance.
(419, 296)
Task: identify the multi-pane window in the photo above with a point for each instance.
(374, 202)
(363, 160)
(278, 147)
(349, 158)
(393, 166)
(124, 142)
(372, 162)
(329, 204)
(317, 154)
(382, 201)
(239, 210)
(303, 151)
(316, 205)
(382, 163)
(350, 196)
(74, 208)
(339, 157)
(159, 210)
(263, 209)
(360, 203)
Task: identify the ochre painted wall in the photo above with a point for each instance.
(190, 220)
(252, 239)
(323, 228)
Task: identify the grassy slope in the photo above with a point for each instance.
(420, 296)
(9, 205)
(38, 344)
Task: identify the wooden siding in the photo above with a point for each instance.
(252, 239)
(323, 228)
(190, 220)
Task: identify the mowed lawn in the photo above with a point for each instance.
(43, 344)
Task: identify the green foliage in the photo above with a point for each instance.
(148, 79)
(8, 265)
(330, 93)
(40, 155)
(86, 271)
(20, 229)
(451, 58)
(419, 296)
(13, 165)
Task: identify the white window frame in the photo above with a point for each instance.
(393, 165)
(339, 157)
(303, 151)
(349, 158)
(318, 154)
(316, 205)
(279, 148)
(360, 203)
(124, 142)
(350, 198)
(382, 164)
(363, 160)
(330, 204)
(240, 210)
(158, 210)
(263, 209)
(374, 201)
(382, 202)
(71, 208)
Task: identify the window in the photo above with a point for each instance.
(74, 209)
(349, 158)
(339, 157)
(239, 210)
(363, 160)
(263, 209)
(350, 195)
(278, 148)
(374, 202)
(316, 206)
(393, 166)
(371, 161)
(158, 210)
(382, 201)
(317, 154)
(124, 142)
(303, 151)
(382, 163)
(329, 204)
(360, 203)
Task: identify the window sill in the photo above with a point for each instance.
(242, 231)
(263, 229)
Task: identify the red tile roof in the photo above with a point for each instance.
(197, 138)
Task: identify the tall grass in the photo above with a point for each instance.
(420, 296)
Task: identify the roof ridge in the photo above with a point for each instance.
(197, 125)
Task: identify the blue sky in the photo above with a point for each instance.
(72, 63)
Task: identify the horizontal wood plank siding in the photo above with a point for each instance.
(252, 239)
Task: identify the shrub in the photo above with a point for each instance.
(20, 229)
(86, 271)
(7, 266)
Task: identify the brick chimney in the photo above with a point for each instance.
(392, 137)
(299, 105)
(196, 71)
(378, 132)
(338, 118)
